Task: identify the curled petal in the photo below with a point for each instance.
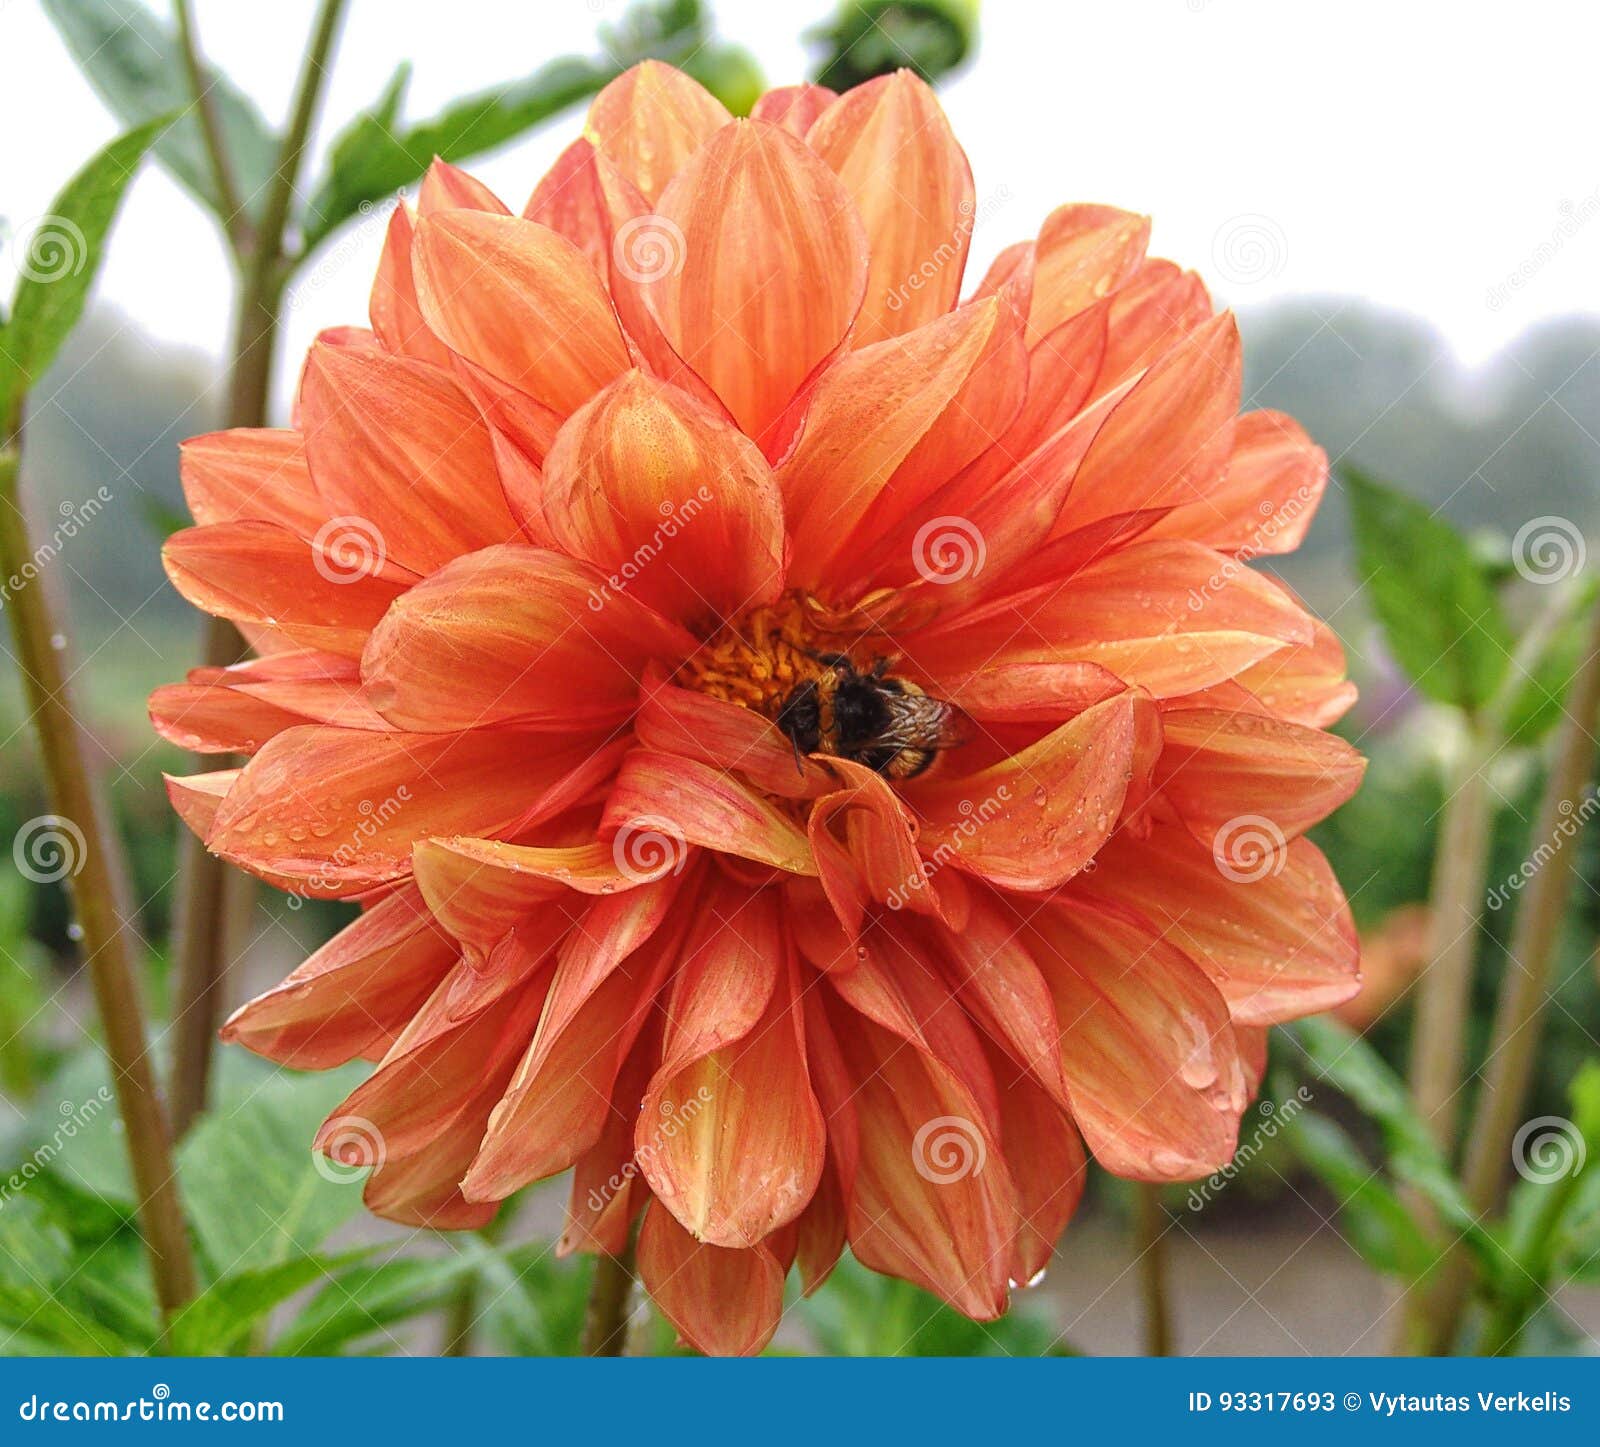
(773, 268)
(519, 301)
(647, 483)
(650, 120)
(396, 317)
(894, 150)
(251, 472)
(514, 633)
(723, 1302)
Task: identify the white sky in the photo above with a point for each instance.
(1419, 154)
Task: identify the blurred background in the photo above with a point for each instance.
(1401, 202)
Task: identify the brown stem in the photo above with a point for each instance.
(605, 1323)
(214, 897)
(235, 220)
(1150, 1241)
(1524, 994)
(96, 891)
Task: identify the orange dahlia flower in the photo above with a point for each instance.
(808, 749)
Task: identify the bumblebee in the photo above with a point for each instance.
(887, 724)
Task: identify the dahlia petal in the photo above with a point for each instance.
(1083, 253)
(1166, 442)
(396, 317)
(197, 797)
(251, 472)
(559, 1099)
(1304, 683)
(1048, 1168)
(568, 200)
(1219, 767)
(876, 861)
(449, 188)
(663, 796)
(933, 1201)
(606, 1192)
(895, 986)
(1151, 312)
(420, 1089)
(1266, 498)
(341, 808)
(1033, 820)
(869, 412)
(1004, 992)
(893, 149)
(1031, 692)
(822, 1232)
(723, 1302)
(730, 1135)
(1253, 1054)
(725, 735)
(513, 633)
(669, 499)
(519, 301)
(1169, 617)
(1274, 933)
(422, 1189)
(396, 442)
(794, 107)
(1150, 1058)
(774, 266)
(650, 120)
(830, 1078)
(213, 719)
(353, 997)
(260, 573)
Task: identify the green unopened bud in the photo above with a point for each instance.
(868, 38)
(730, 73)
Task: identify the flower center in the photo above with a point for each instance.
(814, 673)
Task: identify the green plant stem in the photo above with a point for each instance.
(215, 897)
(605, 1322)
(235, 221)
(1524, 993)
(96, 892)
(1150, 1243)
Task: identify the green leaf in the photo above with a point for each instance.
(62, 258)
(368, 1299)
(534, 1300)
(1374, 1219)
(254, 1195)
(1433, 596)
(1537, 705)
(1346, 1061)
(868, 38)
(135, 65)
(225, 1311)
